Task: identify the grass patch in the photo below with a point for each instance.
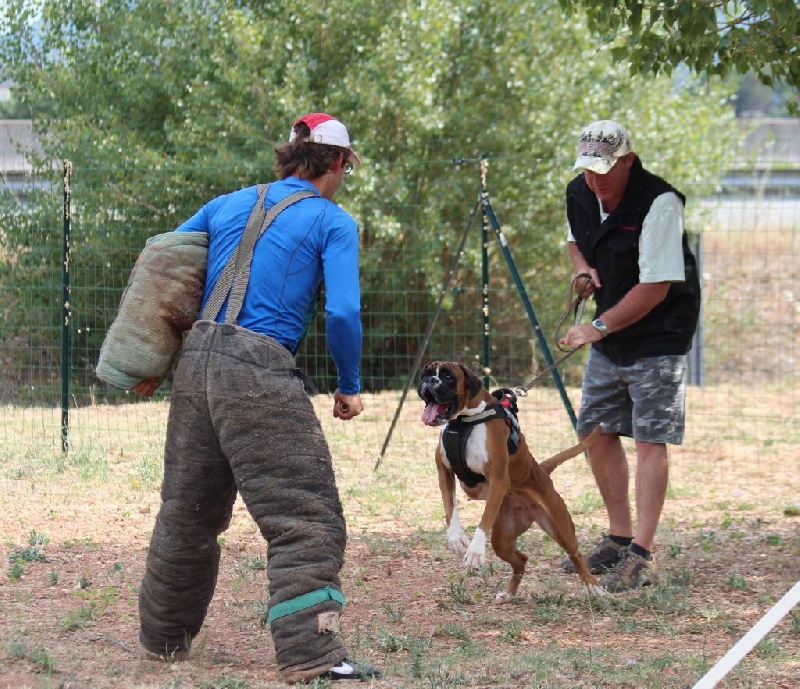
(39, 657)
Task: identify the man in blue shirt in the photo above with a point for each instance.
(241, 421)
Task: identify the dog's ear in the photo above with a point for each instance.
(474, 384)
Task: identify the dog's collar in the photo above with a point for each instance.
(493, 411)
(505, 408)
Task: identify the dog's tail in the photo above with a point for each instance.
(552, 463)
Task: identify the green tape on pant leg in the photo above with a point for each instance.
(307, 600)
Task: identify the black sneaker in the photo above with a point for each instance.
(632, 572)
(603, 557)
(347, 669)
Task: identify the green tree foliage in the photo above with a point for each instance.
(161, 105)
(715, 37)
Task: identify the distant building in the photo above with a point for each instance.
(5, 90)
(18, 144)
(768, 162)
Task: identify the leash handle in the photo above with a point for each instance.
(575, 304)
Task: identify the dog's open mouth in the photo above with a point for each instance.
(440, 401)
(435, 414)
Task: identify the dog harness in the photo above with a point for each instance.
(457, 432)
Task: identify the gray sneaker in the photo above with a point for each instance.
(603, 557)
(632, 572)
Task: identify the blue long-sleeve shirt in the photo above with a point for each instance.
(311, 242)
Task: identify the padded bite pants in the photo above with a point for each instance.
(239, 420)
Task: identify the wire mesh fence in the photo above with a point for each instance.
(57, 308)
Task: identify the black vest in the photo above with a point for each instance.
(612, 248)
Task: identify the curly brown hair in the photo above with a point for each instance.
(305, 159)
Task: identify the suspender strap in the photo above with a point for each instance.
(232, 281)
(223, 285)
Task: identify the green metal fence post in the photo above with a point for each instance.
(65, 308)
(486, 354)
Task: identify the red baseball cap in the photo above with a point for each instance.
(324, 130)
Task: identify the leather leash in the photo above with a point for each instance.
(575, 305)
(522, 390)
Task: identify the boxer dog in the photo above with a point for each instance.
(493, 463)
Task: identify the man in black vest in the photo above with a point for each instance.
(626, 232)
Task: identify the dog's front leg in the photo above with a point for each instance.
(475, 557)
(498, 482)
(456, 538)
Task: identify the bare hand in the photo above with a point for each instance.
(147, 386)
(585, 287)
(346, 407)
(579, 335)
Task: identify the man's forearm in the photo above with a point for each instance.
(635, 305)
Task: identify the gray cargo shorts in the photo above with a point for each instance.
(644, 401)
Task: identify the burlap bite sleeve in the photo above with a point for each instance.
(160, 302)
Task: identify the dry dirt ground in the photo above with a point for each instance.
(729, 548)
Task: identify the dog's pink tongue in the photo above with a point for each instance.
(431, 413)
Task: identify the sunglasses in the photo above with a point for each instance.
(348, 167)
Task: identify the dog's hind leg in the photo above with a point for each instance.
(513, 520)
(555, 520)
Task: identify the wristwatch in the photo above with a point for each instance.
(599, 325)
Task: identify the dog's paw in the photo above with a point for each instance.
(459, 546)
(473, 560)
(502, 598)
(475, 557)
(458, 542)
(595, 590)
